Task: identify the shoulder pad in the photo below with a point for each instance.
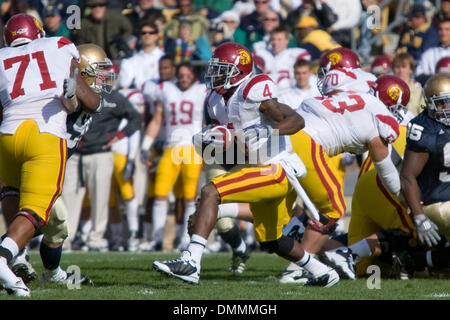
(259, 88)
(387, 128)
(419, 136)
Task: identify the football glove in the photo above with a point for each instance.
(128, 171)
(426, 230)
(146, 146)
(70, 85)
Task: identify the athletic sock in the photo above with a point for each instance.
(132, 214)
(148, 229)
(9, 248)
(50, 256)
(361, 248)
(196, 247)
(159, 215)
(308, 262)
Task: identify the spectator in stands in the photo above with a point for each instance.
(212, 8)
(230, 20)
(270, 21)
(348, 15)
(143, 65)
(185, 48)
(141, 11)
(200, 25)
(107, 28)
(217, 35)
(313, 39)
(429, 59)
(418, 35)
(252, 24)
(443, 13)
(317, 9)
(53, 24)
(403, 67)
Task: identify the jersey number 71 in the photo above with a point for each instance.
(47, 82)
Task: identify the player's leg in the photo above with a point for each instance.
(41, 160)
(167, 174)
(131, 202)
(190, 175)
(439, 213)
(147, 225)
(179, 208)
(115, 224)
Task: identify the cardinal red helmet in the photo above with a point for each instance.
(381, 66)
(230, 65)
(394, 93)
(443, 65)
(22, 28)
(339, 58)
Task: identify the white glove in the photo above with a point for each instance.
(147, 143)
(208, 137)
(70, 85)
(426, 230)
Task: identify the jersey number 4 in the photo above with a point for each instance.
(24, 61)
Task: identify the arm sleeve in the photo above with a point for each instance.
(388, 174)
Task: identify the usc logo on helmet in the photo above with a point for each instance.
(244, 57)
(334, 58)
(394, 92)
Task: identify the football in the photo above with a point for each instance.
(225, 134)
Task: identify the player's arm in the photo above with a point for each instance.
(152, 131)
(88, 97)
(413, 164)
(379, 153)
(286, 120)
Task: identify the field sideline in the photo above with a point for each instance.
(128, 276)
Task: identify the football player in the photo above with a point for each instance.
(56, 230)
(124, 153)
(381, 66)
(181, 109)
(34, 122)
(247, 104)
(423, 181)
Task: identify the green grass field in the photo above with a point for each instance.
(130, 276)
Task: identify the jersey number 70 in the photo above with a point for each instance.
(47, 82)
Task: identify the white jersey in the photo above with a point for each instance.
(183, 112)
(242, 109)
(345, 79)
(347, 121)
(137, 101)
(35, 74)
(151, 90)
(140, 68)
(429, 59)
(280, 67)
(294, 96)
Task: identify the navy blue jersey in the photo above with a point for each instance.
(427, 135)
(77, 125)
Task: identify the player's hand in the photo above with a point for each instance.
(110, 143)
(128, 171)
(426, 230)
(70, 85)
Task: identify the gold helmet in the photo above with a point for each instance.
(94, 65)
(437, 97)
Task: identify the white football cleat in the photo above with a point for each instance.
(22, 267)
(133, 244)
(184, 268)
(18, 289)
(296, 276)
(328, 279)
(342, 261)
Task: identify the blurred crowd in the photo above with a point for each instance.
(400, 37)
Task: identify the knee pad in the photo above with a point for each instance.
(282, 246)
(56, 231)
(224, 225)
